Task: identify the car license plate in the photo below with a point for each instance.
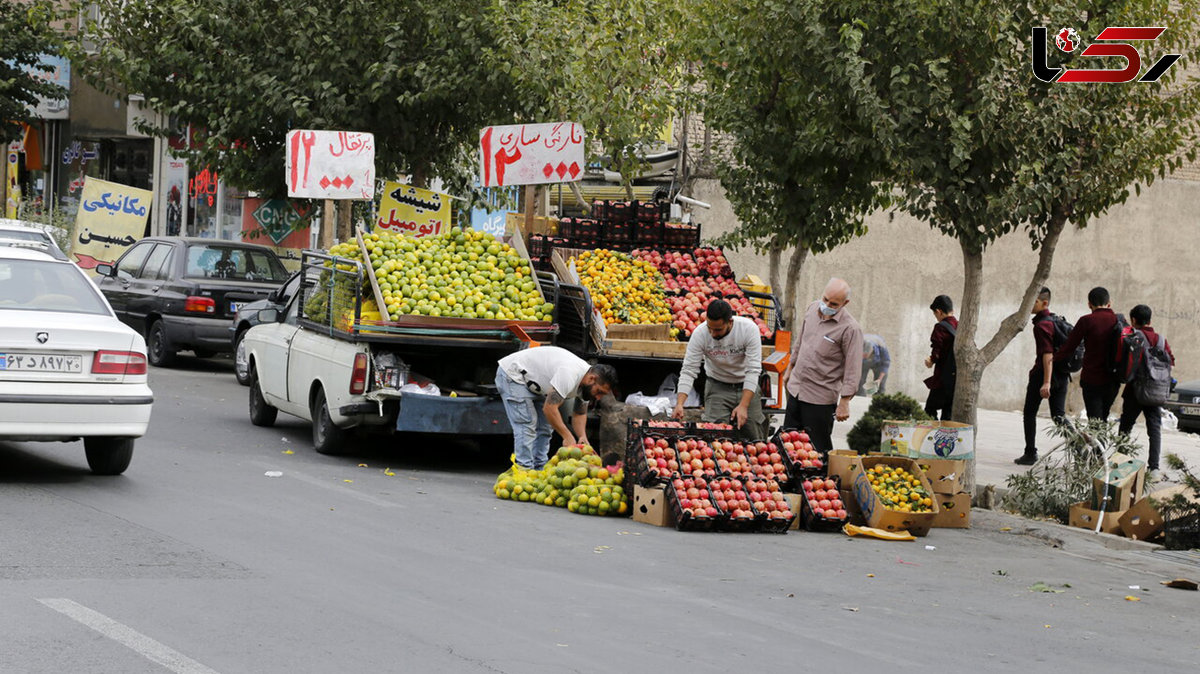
(40, 362)
(234, 306)
(1189, 410)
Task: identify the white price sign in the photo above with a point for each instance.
(330, 164)
(531, 154)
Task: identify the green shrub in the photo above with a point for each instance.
(864, 436)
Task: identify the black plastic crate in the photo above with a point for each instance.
(681, 236)
(646, 211)
(648, 233)
(795, 469)
(749, 524)
(689, 522)
(814, 522)
(600, 209)
(620, 211)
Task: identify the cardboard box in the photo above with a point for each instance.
(876, 515)
(1144, 521)
(933, 439)
(944, 474)
(844, 464)
(851, 505)
(793, 501)
(1119, 484)
(954, 511)
(650, 506)
(1085, 518)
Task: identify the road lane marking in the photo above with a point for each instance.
(128, 637)
(325, 484)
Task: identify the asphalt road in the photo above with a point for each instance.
(195, 561)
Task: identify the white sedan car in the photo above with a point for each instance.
(68, 368)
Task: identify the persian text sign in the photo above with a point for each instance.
(531, 154)
(330, 164)
(111, 218)
(405, 209)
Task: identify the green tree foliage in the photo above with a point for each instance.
(864, 437)
(983, 149)
(804, 169)
(607, 64)
(25, 35)
(975, 145)
(243, 73)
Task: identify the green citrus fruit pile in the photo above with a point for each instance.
(461, 274)
(573, 479)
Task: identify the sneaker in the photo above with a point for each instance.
(1026, 460)
(1155, 475)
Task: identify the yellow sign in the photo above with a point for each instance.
(111, 218)
(13, 184)
(413, 211)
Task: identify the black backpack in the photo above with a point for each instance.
(1152, 382)
(1062, 328)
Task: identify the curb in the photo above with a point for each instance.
(1056, 534)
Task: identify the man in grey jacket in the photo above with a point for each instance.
(731, 349)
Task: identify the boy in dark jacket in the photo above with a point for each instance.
(1096, 331)
(1130, 407)
(941, 359)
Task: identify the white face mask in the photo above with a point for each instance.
(827, 310)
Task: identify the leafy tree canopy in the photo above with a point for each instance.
(25, 36)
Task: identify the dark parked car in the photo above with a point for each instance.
(182, 293)
(247, 317)
(1184, 403)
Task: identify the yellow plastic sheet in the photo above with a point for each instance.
(855, 530)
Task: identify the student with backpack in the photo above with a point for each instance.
(1145, 358)
(941, 359)
(1046, 379)
(1098, 332)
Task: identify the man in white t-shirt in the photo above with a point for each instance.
(534, 383)
(731, 349)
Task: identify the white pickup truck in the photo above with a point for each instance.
(317, 360)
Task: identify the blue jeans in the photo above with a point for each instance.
(531, 429)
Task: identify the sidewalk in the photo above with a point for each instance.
(1000, 438)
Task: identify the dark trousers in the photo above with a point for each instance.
(1130, 409)
(1033, 401)
(874, 374)
(940, 399)
(1098, 399)
(816, 420)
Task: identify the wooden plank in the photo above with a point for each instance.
(659, 332)
(362, 246)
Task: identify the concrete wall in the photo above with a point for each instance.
(1145, 251)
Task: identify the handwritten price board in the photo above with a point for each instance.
(111, 218)
(531, 154)
(412, 211)
(330, 164)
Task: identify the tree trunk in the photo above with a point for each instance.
(972, 360)
(773, 260)
(345, 228)
(788, 297)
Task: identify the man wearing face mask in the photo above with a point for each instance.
(534, 383)
(826, 363)
(731, 349)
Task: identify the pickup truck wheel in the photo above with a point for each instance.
(327, 438)
(159, 352)
(261, 412)
(108, 456)
(241, 361)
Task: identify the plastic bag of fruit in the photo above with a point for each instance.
(598, 499)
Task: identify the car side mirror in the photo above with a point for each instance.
(268, 315)
(106, 269)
